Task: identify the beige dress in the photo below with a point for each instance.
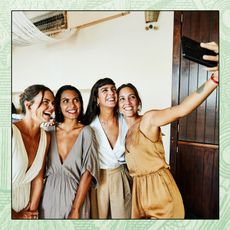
(155, 193)
(21, 175)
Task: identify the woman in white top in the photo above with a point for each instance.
(30, 144)
(113, 192)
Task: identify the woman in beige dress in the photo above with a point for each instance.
(155, 193)
(30, 144)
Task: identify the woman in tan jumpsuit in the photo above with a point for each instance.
(155, 193)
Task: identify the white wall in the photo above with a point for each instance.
(120, 49)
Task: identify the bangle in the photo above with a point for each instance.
(214, 80)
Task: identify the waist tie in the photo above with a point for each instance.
(114, 170)
(159, 171)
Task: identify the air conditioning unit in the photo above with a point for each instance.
(54, 24)
(48, 22)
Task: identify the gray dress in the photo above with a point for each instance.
(62, 179)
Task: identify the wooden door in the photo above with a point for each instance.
(194, 152)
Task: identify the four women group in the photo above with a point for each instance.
(83, 158)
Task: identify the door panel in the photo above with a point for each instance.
(198, 26)
(194, 138)
(197, 178)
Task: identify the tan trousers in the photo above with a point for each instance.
(114, 194)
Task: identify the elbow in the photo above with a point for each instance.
(182, 112)
(38, 181)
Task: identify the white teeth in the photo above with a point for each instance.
(47, 113)
(111, 99)
(128, 108)
(72, 111)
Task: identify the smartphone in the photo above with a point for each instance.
(191, 50)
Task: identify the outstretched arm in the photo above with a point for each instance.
(82, 191)
(153, 119)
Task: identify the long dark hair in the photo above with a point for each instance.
(93, 109)
(58, 113)
(131, 86)
(29, 94)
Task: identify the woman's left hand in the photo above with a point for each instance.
(74, 214)
(214, 47)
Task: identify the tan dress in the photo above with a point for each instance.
(155, 193)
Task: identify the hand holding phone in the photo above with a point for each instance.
(211, 46)
(202, 53)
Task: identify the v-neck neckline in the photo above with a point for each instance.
(62, 162)
(28, 168)
(133, 127)
(105, 136)
(137, 129)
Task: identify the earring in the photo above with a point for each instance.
(139, 108)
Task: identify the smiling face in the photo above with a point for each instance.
(107, 96)
(128, 102)
(41, 107)
(70, 104)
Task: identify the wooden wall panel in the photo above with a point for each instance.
(196, 180)
(175, 85)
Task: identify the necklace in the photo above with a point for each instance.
(108, 121)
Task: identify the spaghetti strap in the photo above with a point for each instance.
(159, 138)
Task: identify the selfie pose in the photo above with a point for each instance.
(155, 193)
(30, 144)
(114, 192)
(72, 165)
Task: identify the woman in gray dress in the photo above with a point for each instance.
(72, 165)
